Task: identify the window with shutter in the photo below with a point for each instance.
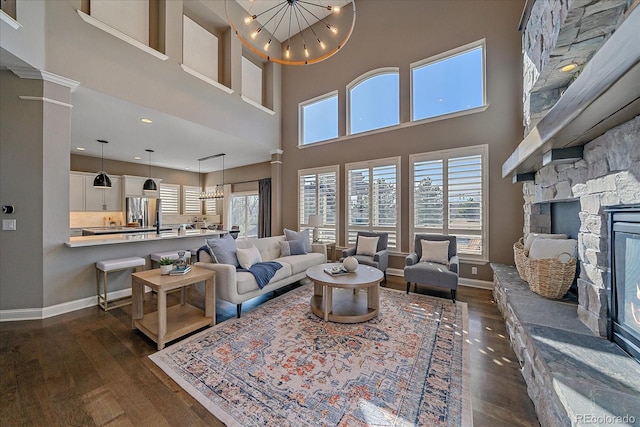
(318, 195)
(169, 194)
(449, 196)
(210, 205)
(192, 205)
(373, 194)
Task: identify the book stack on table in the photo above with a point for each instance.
(179, 271)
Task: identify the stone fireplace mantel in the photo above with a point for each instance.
(604, 95)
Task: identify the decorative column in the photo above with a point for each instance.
(276, 192)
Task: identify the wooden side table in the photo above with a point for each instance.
(167, 324)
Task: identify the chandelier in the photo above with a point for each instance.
(292, 32)
(218, 191)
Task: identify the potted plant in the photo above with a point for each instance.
(166, 265)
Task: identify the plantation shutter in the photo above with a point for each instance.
(210, 205)
(318, 195)
(169, 196)
(192, 203)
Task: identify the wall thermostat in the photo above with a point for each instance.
(8, 209)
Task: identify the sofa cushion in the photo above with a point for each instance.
(267, 246)
(293, 247)
(246, 282)
(437, 252)
(223, 250)
(248, 257)
(302, 235)
(300, 263)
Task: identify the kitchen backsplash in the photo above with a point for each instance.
(95, 219)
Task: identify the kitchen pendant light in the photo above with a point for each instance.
(149, 184)
(218, 192)
(102, 180)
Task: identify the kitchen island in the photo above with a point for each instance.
(111, 239)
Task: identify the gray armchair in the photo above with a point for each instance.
(431, 273)
(379, 260)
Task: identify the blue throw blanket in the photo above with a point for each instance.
(263, 271)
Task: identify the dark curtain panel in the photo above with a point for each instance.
(264, 208)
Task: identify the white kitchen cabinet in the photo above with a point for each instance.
(76, 192)
(97, 199)
(133, 186)
(83, 197)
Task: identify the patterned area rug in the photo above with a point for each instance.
(280, 365)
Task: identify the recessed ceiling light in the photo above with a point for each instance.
(146, 121)
(80, 148)
(568, 67)
(186, 169)
(137, 158)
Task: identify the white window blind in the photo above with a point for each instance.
(210, 205)
(372, 197)
(449, 196)
(169, 194)
(192, 205)
(318, 195)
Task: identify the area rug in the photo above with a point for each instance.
(280, 365)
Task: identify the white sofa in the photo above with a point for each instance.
(239, 286)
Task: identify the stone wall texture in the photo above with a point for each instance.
(608, 175)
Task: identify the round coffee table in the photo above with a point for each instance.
(347, 305)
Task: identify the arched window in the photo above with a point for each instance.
(374, 100)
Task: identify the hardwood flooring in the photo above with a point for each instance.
(89, 368)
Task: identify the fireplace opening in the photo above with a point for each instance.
(624, 278)
(565, 219)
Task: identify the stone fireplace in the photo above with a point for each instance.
(607, 176)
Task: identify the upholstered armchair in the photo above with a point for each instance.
(433, 263)
(366, 253)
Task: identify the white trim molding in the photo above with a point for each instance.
(57, 309)
(4, 17)
(206, 79)
(43, 99)
(258, 106)
(35, 74)
(122, 36)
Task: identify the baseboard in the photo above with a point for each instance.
(463, 281)
(55, 310)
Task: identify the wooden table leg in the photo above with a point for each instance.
(328, 295)
(373, 296)
(162, 317)
(137, 299)
(210, 300)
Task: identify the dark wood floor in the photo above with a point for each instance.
(89, 368)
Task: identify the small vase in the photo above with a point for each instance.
(166, 269)
(350, 263)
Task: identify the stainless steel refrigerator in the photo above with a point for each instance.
(146, 211)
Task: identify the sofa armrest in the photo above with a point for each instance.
(320, 248)
(411, 259)
(348, 252)
(226, 281)
(454, 264)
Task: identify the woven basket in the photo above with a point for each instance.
(551, 278)
(521, 258)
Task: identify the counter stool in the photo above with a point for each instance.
(172, 255)
(109, 266)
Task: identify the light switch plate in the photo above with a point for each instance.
(9, 224)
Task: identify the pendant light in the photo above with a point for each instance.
(102, 180)
(149, 184)
(218, 192)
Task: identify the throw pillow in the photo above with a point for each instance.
(248, 257)
(302, 235)
(223, 250)
(533, 236)
(553, 248)
(367, 245)
(294, 247)
(435, 251)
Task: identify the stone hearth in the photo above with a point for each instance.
(608, 175)
(573, 377)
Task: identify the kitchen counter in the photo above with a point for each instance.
(111, 239)
(90, 231)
